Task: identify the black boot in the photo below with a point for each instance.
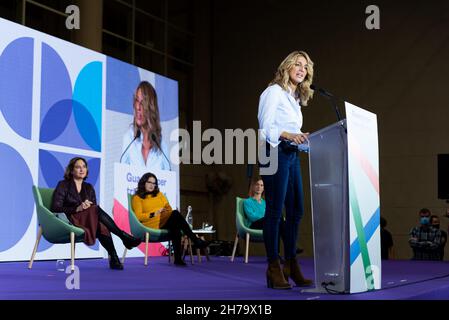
(179, 262)
(114, 262)
(177, 249)
(129, 241)
(108, 244)
(177, 221)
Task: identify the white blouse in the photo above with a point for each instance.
(278, 111)
(133, 155)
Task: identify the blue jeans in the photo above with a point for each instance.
(283, 188)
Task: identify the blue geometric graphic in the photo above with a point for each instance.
(122, 80)
(369, 229)
(167, 95)
(16, 85)
(56, 120)
(78, 114)
(15, 185)
(87, 110)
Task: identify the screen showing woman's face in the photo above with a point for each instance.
(138, 108)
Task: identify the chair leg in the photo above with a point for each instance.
(72, 251)
(124, 255)
(169, 251)
(198, 254)
(184, 245)
(190, 250)
(147, 239)
(38, 239)
(206, 251)
(236, 241)
(247, 248)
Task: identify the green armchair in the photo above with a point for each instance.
(54, 229)
(146, 234)
(243, 231)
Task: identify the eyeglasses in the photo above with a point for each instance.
(151, 182)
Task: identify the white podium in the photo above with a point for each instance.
(344, 183)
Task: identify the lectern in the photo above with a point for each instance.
(344, 183)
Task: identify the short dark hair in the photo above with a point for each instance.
(68, 175)
(425, 210)
(433, 216)
(141, 191)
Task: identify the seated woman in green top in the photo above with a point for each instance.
(254, 207)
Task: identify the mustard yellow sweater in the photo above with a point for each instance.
(145, 209)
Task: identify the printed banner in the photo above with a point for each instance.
(57, 101)
(364, 201)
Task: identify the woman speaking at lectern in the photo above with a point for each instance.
(280, 120)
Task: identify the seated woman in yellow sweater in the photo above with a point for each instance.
(153, 210)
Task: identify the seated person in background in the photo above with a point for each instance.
(386, 241)
(425, 240)
(435, 223)
(254, 207)
(153, 211)
(76, 198)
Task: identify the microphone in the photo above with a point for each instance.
(331, 97)
(321, 91)
(153, 137)
(129, 145)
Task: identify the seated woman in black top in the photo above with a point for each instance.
(76, 198)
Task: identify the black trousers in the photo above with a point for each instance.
(177, 225)
(106, 241)
(258, 224)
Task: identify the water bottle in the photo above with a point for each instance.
(189, 217)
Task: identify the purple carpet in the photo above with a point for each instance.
(218, 279)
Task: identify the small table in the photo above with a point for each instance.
(201, 233)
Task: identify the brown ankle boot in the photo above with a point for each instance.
(275, 278)
(292, 270)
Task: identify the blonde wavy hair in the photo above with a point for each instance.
(282, 77)
(150, 111)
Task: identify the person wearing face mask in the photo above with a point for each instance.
(435, 223)
(424, 239)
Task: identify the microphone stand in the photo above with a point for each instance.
(153, 137)
(129, 145)
(333, 102)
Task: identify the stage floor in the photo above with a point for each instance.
(218, 279)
